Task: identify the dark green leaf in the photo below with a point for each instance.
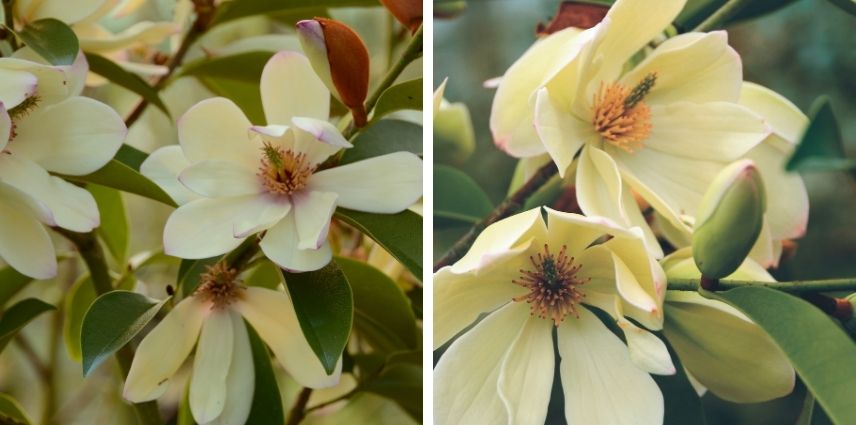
(383, 137)
(821, 147)
(816, 346)
(10, 283)
(243, 8)
(458, 197)
(114, 222)
(546, 194)
(131, 156)
(325, 309)
(189, 274)
(11, 412)
(17, 316)
(267, 404)
(119, 176)
(402, 383)
(246, 67)
(266, 275)
(399, 234)
(81, 295)
(683, 405)
(116, 74)
(382, 313)
(697, 11)
(51, 39)
(848, 6)
(113, 320)
(245, 94)
(406, 95)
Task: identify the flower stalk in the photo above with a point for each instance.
(298, 411)
(722, 15)
(793, 286)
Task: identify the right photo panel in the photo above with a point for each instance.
(643, 212)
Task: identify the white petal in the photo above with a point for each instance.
(163, 350)
(384, 184)
(562, 133)
(211, 366)
(31, 10)
(291, 89)
(140, 33)
(15, 86)
(24, 242)
(76, 136)
(787, 198)
(317, 139)
(240, 383)
(632, 291)
(783, 116)
(601, 384)
(647, 350)
(216, 178)
(163, 167)
(762, 251)
(5, 127)
(53, 84)
(272, 315)
(526, 376)
(217, 129)
(280, 245)
(510, 235)
(648, 274)
(312, 214)
(576, 231)
(466, 377)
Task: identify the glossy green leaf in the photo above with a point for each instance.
(546, 194)
(848, 6)
(11, 281)
(116, 74)
(458, 197)
(11, 412)
(821, 147)
(243, 8)
(383, 137)
(399, 234)
(816, 346)
(17, 316)
(697, 11)
(131, 156)
(682, 403)
(114, 222)
(402, 383)
(406, 95)
(245, 94)
(77, 301)
(266, 275)
(382, 313)
(324, 305)
(267, 404)
(246, 66)
(119, 176)
(113, 320)
(52, 39)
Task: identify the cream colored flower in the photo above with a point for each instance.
(531, 279)
(662, 127)
(223, 376)
(44, 129)
(248, 179)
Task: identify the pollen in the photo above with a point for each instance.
(22, 110)
(554, 287)
(620, 115)
(219, 285)
(283, 171)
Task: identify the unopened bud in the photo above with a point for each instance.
(408, 12)
(340, 58)
(729, 220)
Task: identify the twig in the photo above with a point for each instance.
(793, 286)
(345, 396)
(722, 15)
(298, 411)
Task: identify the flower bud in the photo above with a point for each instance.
(729, 219)
(340, 59)
(408, 12)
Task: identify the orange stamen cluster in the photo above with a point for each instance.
(554, 288)
(219, 285)
(284, 171)
(620, 116)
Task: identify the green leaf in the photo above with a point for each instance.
(246, 67)
(11, 281)
(848, 6)
(546, 194)
(131, 156)
(243, 8)
(119, 176)
(245, 94)
(81, 295)
(189, 274)
(406, 95)
(402, 383)
(185, 416)
(325, 309)
(454, 136)
(267, 404)
(458, 197)
(17, 316)
(116, 74)
(11, 412)
(697, 11)
(113, 320)
(821, 147)
(816, 345)
(51, 39)
(266, 275)
(114, 222)
(399, 234)
(682, 404)
(382, 313)
(383, 137)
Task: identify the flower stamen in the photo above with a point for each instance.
(22, 110)
(554, 288)
(219, 285)
(620, 115)
(284, 171)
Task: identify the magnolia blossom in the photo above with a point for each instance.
(533, 278)
(246, 179)
(662, 127)
(722, 349)
(223, 376)
(45, 128)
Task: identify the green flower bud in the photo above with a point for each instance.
(729, 220)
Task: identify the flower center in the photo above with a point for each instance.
(22, 110)
(620, 116)
(219, 286)
(284, 171)
(554, 288)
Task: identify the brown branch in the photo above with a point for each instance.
(298, 411)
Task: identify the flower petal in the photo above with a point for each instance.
(31, 10)
(317, 139)
(5, 127)
(76, 136)
(15, 86)
(466, 377)
(163, 167)
(146, 33)
(272, 315)
(240, 383)
(783, 116)
(53, 83)
(281, 245)
(24, 242)
(787, 210)
(217, 129)
(598, 375)
(576, 231)
(312, 214)
(215, 178)
(291, 89)
(163, 350)
(647, 351)
(526, 374)
(562, 133)
(211, 367)
(510, 234)
(385, 184)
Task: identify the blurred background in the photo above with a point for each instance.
(803, 50)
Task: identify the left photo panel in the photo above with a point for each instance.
(211, 212)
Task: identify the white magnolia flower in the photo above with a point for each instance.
(532, 278)
(661, 128)
(223, 376)
(45, 128)
(246, 179)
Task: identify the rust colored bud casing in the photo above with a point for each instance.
(408, 12)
